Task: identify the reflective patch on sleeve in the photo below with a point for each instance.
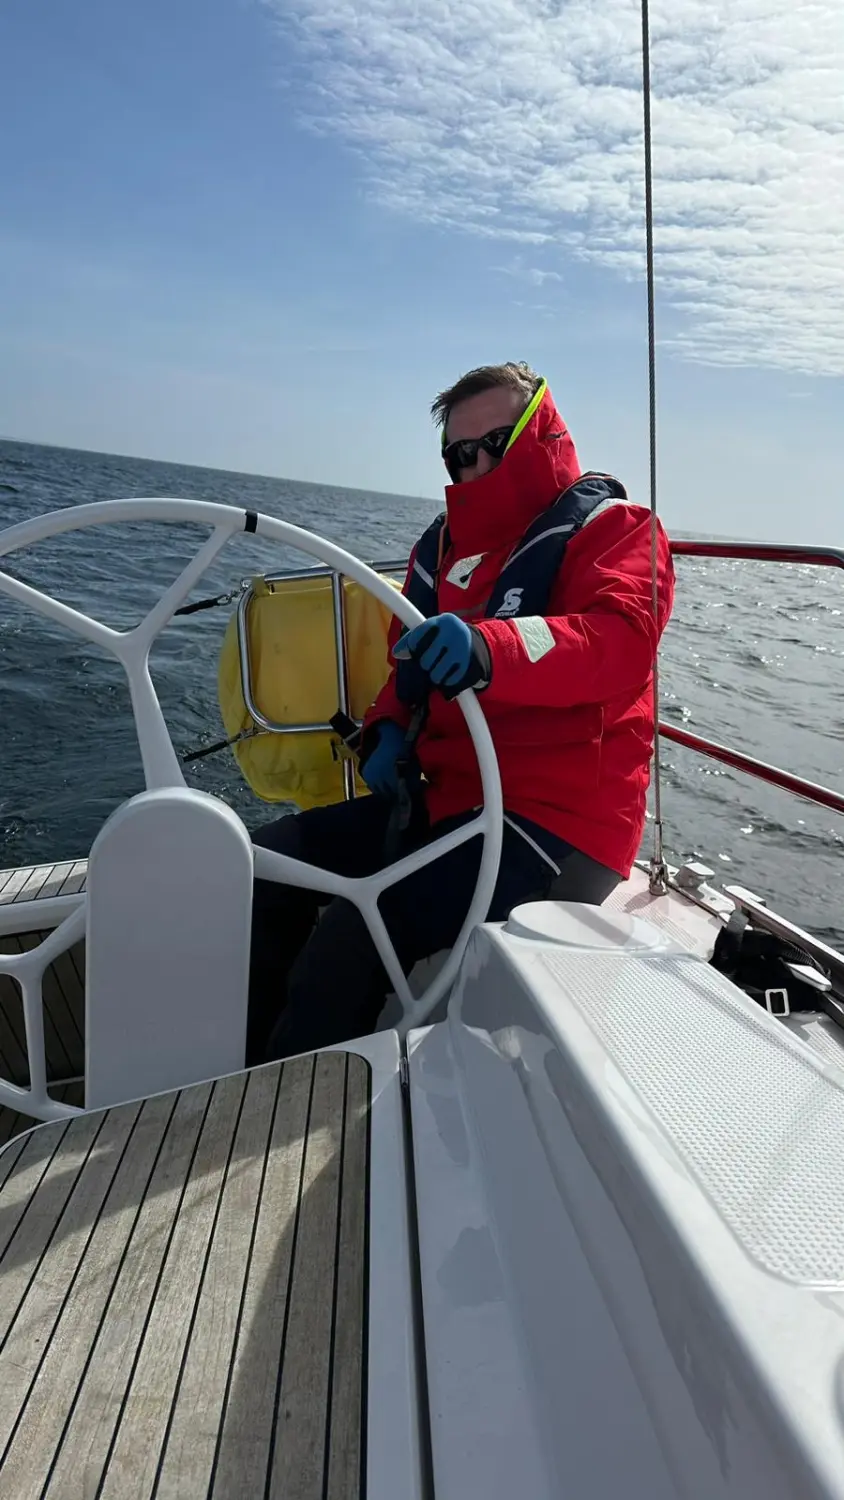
(536, 635)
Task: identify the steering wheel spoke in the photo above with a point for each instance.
(158, 754)
(368, 907)
(284, 869)
(28, 970)
(162, 613)
(426, 854)
(63, 614)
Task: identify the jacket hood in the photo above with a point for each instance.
(495, 510)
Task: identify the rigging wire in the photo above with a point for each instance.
(658, 869)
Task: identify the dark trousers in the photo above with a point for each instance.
(315, 984)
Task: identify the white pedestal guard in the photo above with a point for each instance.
(129, 904)
(167, 954)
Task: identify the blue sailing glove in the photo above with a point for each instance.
(378, 765)
(451, 654)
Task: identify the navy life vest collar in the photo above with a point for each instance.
(525, 583)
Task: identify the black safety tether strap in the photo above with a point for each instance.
(348, 731)
(404, 802)
(760, 964)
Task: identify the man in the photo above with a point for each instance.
(538, 592)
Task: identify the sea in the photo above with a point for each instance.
(753, 658)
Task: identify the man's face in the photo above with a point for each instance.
(487, 412)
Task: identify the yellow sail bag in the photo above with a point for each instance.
(293, 679)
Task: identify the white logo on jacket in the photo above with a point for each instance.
(510, 605)
(461, 572)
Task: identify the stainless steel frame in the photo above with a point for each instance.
(273, 726)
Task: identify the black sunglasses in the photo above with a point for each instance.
(464, 453)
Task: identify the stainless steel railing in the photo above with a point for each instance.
(810, 791)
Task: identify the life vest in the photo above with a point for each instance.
(293, 678)
(525, 582)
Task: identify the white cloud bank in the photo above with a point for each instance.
(522, 120)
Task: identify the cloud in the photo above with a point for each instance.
(521, 120)
(530, 274)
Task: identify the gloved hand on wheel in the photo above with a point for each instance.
(383, 744)
(451, 654)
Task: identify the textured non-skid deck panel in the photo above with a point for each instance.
(64, 1013)
(183, 1294)
(757, 1120)
(683, 920)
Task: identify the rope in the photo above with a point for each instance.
(658, 869)
(219, 599)
(245, 734)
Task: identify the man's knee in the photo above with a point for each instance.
(283, 836)
(336, 986)
(338, 952)
(345, 837)
(584, 880)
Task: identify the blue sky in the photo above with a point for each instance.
(260, 236)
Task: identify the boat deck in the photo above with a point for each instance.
(33, 899)
(690, 925)
(40, 882)
(183, 1293)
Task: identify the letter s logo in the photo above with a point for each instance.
(510, 605)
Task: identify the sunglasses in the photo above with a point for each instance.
(464, 453)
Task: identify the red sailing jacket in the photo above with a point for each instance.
(573, 730)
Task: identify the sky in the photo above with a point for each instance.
(262, 234)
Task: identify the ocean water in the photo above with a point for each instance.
(753, 657)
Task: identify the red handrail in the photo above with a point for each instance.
(810, 790)
(824, 557)
(832, 557)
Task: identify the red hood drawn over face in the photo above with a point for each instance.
(494, 511)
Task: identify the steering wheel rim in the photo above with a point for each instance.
(161, 764)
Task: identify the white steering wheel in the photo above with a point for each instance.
(162, 768)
